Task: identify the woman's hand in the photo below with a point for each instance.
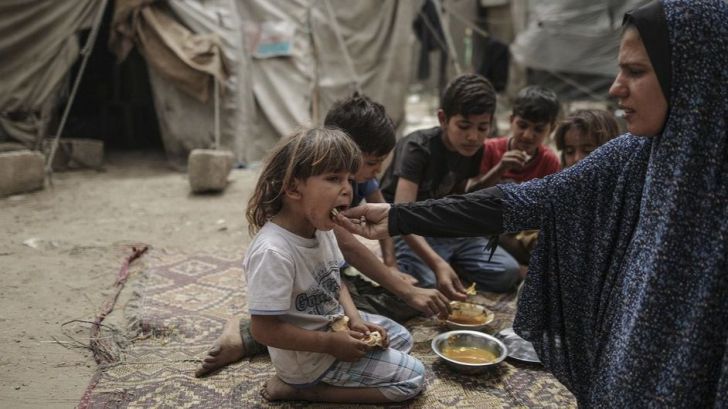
(347, 346)
(449, 283)
(367, 220)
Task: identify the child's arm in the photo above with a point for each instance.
(271, 331)
(447, 280)
(513, 159)
(349, 308)
(429, 301)
(387, 244)
(356, 323)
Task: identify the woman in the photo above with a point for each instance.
(626, 299)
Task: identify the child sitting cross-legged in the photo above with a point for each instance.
(437, 162)
(294, 285)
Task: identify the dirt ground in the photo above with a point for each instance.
(60, 251)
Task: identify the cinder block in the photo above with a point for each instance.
(208, 169)
(21, 171)
(74, 153)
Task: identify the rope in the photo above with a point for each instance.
(86, 53)
(95, 340)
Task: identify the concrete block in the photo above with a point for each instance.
(21, 171)
(74, 153)
(12, 146)
(208, 169)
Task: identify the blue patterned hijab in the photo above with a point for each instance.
(626, 299)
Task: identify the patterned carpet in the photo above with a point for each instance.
(180, 306)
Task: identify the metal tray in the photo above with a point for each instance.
(518, 348)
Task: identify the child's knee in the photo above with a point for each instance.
(499, 279)
(411, 386)
(506, 281)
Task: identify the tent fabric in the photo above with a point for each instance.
(188, 59)
(188, 42)
(299, 89)
(39, 45)
(187, 123)
(574, 36)
(266, 98)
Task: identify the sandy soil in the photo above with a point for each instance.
(60, 251)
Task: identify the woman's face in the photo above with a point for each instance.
(637, 88)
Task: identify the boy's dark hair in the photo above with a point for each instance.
(537, 104)
(366, 122)
(468, 94)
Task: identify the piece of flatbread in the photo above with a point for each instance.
(340, 324)
(374, 339)
(528, 157)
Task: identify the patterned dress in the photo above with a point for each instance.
(627, 294)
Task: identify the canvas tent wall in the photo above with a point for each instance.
(572, 43)
(38, 46)
(299, 84)
(264, 95)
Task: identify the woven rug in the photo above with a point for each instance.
(180, 306)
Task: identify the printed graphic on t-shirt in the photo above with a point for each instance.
(322, 297)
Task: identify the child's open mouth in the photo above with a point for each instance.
(335, 211)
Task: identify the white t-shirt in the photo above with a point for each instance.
(297, 279)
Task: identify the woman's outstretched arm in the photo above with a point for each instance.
(471, 215)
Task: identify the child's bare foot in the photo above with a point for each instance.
(227, 349)
(275, 389)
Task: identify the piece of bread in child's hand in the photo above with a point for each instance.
(374, 339)
(340, 324)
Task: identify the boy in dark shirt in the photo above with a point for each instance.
(437, 162)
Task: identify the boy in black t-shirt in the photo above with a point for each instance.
(437, 162)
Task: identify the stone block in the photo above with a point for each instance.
(208, 169)
(21, 171)
(74, 153)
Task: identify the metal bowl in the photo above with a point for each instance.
(462, 338)
(453, 325)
